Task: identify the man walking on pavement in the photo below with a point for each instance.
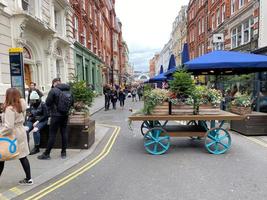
(59, 102)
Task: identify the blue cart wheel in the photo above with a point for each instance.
(217, 141)
(146, 125)
(156, 141)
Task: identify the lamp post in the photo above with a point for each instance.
(112, 70)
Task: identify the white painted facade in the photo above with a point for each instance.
(263, 24)
(44, 29)
(164, 56)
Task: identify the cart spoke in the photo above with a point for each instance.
(155, 147)
(149, 143)
(157, 133)
(164, 146)
(211, 137)
(163, 138)
(224, 145)
(211, 143)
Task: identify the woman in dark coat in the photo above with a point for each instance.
(114, 97)
(121, 98)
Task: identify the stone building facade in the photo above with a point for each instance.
(178, 35)
(42, 29)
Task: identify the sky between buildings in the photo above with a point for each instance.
(147, 25)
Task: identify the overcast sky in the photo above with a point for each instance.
(146, 26)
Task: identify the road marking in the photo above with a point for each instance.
(81, 170)
(16, 190)
(257, 141)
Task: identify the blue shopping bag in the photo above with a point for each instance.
(8, 147)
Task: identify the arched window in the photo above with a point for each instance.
(26, 53)
(58, 51)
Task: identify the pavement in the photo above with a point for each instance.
(43, 171)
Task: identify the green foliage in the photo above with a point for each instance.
(242, 100)
(182, 84)
(154, 98)
(83, 95)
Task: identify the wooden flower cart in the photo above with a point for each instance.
(157, 135)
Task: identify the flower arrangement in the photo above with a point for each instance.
(241, 100)
(214, 96)
(154, 98)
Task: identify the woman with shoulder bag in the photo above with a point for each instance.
(13, 119)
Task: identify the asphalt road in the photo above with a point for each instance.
(185, 172)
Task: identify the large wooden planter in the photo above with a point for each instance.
(181, 109)
(253, 124)
(162, 109)
(81, 133)
(208, 109)
(240, 110)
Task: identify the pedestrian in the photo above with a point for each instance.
(133, 93)
(140, 92)
(114, 97)
(33, 88)
(13, 119)
(58, 102)
(122, 98)
(107, 92)
(37, 120)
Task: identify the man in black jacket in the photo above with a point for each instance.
(58, 119)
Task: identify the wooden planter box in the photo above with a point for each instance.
(208, 109)
(181, 109)
(81, 133)
(240, 110)
(162, 109)
(253, 124)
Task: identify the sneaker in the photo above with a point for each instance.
(63, 155)
(34, 151)
(26, 182)
(44, 157)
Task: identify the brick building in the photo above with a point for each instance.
(197, 20)
(222, 24)
(234, 25)
(152, 65)
(98, 41)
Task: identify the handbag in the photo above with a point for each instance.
(8, 147)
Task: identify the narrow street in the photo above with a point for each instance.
(186, 171)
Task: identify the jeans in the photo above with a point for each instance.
(57, 122)
(107, 102)
(122, 102)
(36, 135)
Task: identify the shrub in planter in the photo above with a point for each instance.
(182, 84)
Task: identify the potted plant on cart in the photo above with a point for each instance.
(241, 104)
(181, 87)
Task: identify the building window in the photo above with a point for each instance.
(232, 6)
(234, 38)
(218, 18)
(241, 3)
(76, 28)
(223, 13)
(203, 25)
(83, 3)
(199, 27)
(58, 71)
(246, 32)
(84, 37)
(91, 41)
(25, 5)
(212, 22)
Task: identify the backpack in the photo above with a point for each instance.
(64, 102)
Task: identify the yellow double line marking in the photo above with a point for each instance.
(81, 170)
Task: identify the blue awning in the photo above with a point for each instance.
(227, 62)
(185, 53)
(171, 66)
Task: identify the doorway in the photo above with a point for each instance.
(27, 75)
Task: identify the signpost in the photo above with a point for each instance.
(17, 69)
